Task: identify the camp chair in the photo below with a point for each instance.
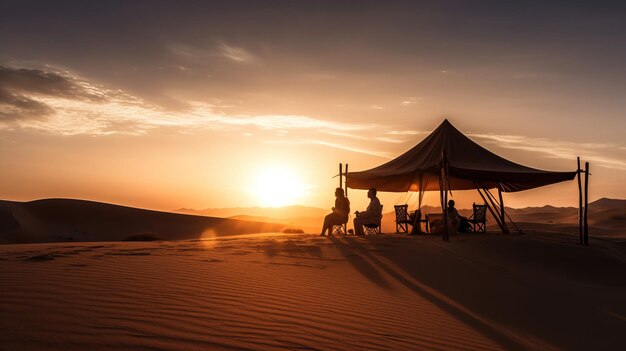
(373, 228)
(402, 218)
(340, 229)
(478, 219)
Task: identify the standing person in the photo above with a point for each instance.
(340, 212)
(372, 215)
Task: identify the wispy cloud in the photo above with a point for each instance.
(604, 155)
(219, 49)
(409, 101)
(407, 132)
(236, 54)
(62, 103)
(20, 87)
(335, 145)
(291, 122)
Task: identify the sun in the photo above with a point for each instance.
(277, 187)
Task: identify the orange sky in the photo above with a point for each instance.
(201, 107)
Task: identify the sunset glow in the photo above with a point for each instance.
(190, 110)
(278, 187)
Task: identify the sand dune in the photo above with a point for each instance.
(53, 220)
(268, 212)
(267, 292)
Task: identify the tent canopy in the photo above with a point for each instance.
(467, 165)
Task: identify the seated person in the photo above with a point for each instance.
(416, 220)
(456, 221)
(340, 213)
(372, 215)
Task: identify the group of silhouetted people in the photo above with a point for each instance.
(371, 216)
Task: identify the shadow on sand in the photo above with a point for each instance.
(514, 303)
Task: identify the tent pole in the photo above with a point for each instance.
(506, 215)
(585, 225)
(444, 216)
(493, 213)
(504, 227)
(492, 200)
(346, 191)
(341, 175)
(580, 202)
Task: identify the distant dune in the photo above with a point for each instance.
(52, 220)
(284, 212)
(607, 217)
(306, 218)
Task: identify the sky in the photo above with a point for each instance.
(208, 104)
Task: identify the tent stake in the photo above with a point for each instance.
(580, 202)
(586, 227)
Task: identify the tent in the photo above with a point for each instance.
(448, 160)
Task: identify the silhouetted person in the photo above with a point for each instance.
(372, 215)
(457, 222)
(340, 213)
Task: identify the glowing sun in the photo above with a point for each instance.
(278, 187)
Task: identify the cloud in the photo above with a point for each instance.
(410, 101)
(14, 107)
(62, 103)
(220, 49)
(605, 155)
(335, 145)
(21, 89)
(236, 54)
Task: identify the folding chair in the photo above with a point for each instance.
(373, 228)
(478, 219)
(340, 229)
(402, 218)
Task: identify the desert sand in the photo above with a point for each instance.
(300, 291)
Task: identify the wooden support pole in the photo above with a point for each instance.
(346, 191)
(444, 208)
(580, 203)
(505, 229)
(341, 175)
(585, 224)
(345, 225)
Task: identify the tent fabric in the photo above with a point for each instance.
(468, 166)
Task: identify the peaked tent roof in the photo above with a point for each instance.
(468, 164)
